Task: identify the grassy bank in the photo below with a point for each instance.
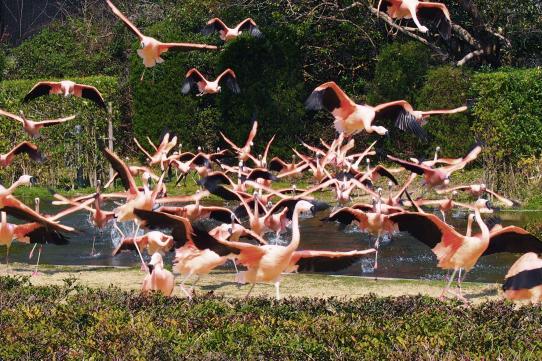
(70, 321)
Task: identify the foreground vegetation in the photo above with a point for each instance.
(75, 322)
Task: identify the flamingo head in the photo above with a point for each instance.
(218, 89)
(156, 260)
(28, 180)
(483, 205)
(304, 206)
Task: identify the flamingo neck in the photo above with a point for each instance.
(470, 220)
(296, 235)
(482, 225)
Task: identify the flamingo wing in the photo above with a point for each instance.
(221, 214)
(346, 216)
(89, 92)
(250, 26)
(400, 112)
(28, 148)
(213, 25)
(327, 261)
(330, 97)
(426, 228)
(180, 227)
(230, 79)
(11, 116)
(260, 173)
(18, 209)
(185, 46)
(513, 239)
(384, 172)
(252, 134)
(276, 164)
(523, 280)
(437, 15)
(122, 170)
(40, 89)
(203, 240)
(40, 234)
(413, 167)
(192, 81)
(125, 20)
(48, 123)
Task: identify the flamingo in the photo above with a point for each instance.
(153, 242)
(227, 34)
(158, 278)
(524, 279)
(431, 12)
(477, 190)
(195, 80)
(243, 153)
(31, 127)
(21, 148)
(5, 193)
(161, 152)
(438, 177)
(151, 49)
(352, 118)
(66, 88)
(266, 263)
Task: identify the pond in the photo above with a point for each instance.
(402, 256)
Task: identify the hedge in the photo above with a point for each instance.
(65, 149)
(74, 322)
(508, 115)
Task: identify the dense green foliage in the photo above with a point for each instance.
(66, 150)
(72, 322)
(508, 113)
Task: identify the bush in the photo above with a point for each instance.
(73, 322)
(508, 116)
(65, 149)
(447, 87)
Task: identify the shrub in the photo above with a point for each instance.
(65, 149)
(508, 116)
(447, 87)
(73, 322)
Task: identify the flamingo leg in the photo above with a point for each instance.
(143, 74)
(181, 285)
(444, 219)
(442, 295)
(194, 284)
(143, 265)
(35, 273)
(250, 290)
(277, 290)
(235, 266)
(377, 244)
(7, 259)
(93, 241)
(460, 293)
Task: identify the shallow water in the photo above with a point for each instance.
(402, 256)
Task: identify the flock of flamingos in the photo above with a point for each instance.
(237, 234)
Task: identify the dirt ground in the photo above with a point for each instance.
(222, 283)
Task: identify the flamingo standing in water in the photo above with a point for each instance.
(151, 49)
(227, 34)
(158, 278)
(31, 127)
(195, 80)
(432, 12)
(66, 88)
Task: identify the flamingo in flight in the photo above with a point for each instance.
(66, 88)
(21, 148)
(438, 177)
(31, 127)
(151, 49)
(431, 12)
(160, 152)
(477, 190)
(244, 152)
(195, 80)
(456, 251)
(524, 279)
(352, 118)
(227, 34)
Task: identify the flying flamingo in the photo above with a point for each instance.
(456, 251)
(227, 34)
(435, 13)
(66, 88)
(151, 49)
(244, 152)
(477, 190)
(352, 118)
(153, 242)
(524, 279)
(31, 127)
(266, 263)
(21, 148)
(195, 80)
(438, 177)
(159, 278)
(161, 152)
